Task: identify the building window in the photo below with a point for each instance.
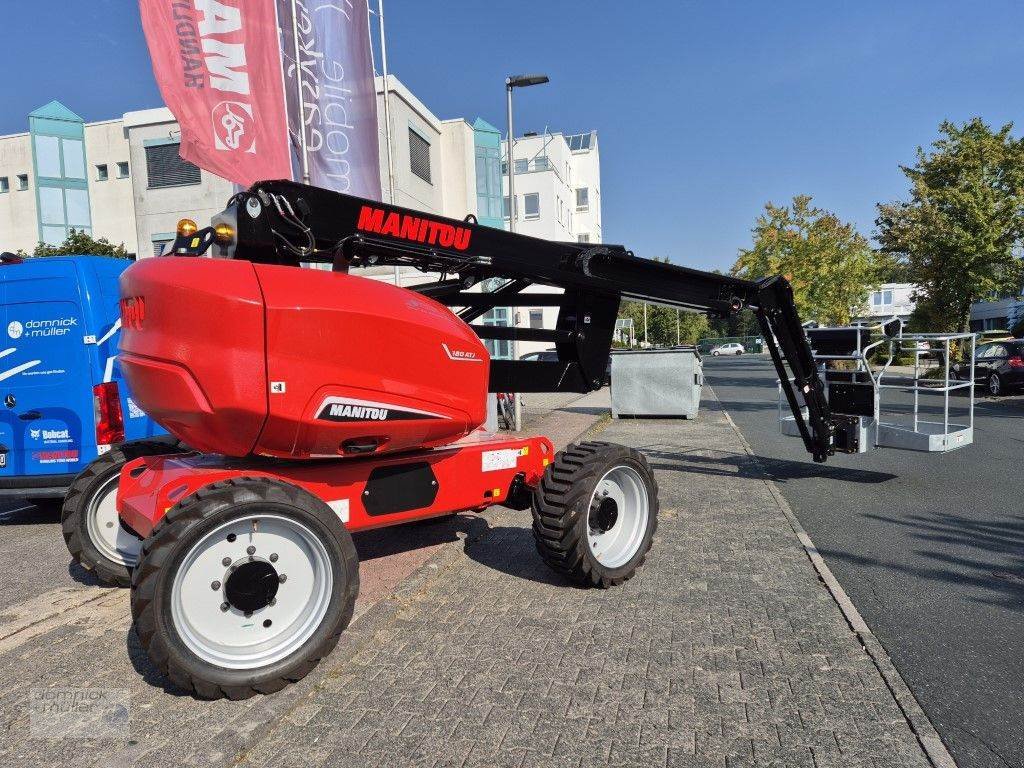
(531, 205)
(582, 199)
(881, 299)
(22, 181)
(58, 158)
(165, 168)
(558, 208)
(536, 318)
(73, 152)
(48, 156)
(498, 349)
(488, 183)
(579, 142)
(583, 237)
(419, 156)
(101, 172)
(520, 166)
(505, 209)
(158, 246)
(122, 171)
(5, 184)
(541, 163)
(62, 210)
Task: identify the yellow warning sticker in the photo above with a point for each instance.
(524, 451)
(195, 242)
(497, 492)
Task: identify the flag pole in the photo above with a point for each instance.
(303, 152)
(387, 118)
(387, 109)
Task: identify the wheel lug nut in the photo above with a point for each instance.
(231, 537)
(224, 606)
(250, 550)
(282, 578)
(226, 562)
(273, 558)
(215, 586)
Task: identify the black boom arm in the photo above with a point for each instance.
(282, 222)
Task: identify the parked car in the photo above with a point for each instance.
(999, 366)
(546, 355)
(986, 337)
(732, 348)
(64, 401)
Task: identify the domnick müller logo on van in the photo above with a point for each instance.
(34, 329)
(414, 228)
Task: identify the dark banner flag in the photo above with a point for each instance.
(218, 66)
(338, 96)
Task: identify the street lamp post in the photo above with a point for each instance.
(515, 81)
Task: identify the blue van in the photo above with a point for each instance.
(63, 399)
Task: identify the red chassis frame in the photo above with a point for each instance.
(470, 475)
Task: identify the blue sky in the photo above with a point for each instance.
(705, 110)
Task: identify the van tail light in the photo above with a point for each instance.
(1016, 362)
(106, 404)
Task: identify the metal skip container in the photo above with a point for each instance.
(657, 382)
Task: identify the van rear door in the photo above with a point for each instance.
(46, 420)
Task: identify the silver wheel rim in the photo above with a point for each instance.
(993, 384)
(224, 634)
(614, 541)
(103, 524)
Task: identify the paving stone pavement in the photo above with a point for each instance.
(725, 650)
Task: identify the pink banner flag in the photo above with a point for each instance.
(218, 66)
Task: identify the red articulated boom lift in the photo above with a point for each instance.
(318, 403)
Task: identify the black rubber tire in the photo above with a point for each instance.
(998, 389)
(182, 527)
(88, 482)
(561, 508)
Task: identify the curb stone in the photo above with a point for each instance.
(917, 720)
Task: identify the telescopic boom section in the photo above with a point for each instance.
(479, 268)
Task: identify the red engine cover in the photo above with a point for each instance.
(240, 358)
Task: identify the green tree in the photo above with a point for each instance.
(961, 232)
(77, 243)
(829, 264)
(743, 323)
(661, 324)
(664, 324)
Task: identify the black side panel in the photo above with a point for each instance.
(399, 488)
(851, 399)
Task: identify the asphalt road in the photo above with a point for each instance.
(930, 547)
